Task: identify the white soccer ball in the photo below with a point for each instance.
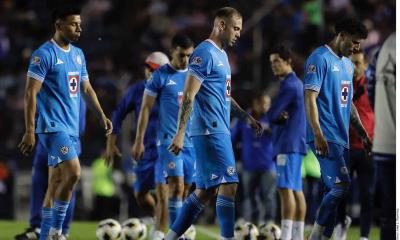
(134, 229)
(108, 229)
(190, 233)
(246, 231)
(269, 231)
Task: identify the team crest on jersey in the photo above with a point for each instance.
(228, 87)
(344, 93)
(79, 60)
(196, 60)
(180, 97)
(73, 83)
(171, 165)
(64, 150)
(231, 171)
(311, 69)
(36, 60)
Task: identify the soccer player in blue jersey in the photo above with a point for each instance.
(289, 141)
(329, 108)
(258, 177)
(56, 78)
(166, 87)
(148, 175)
(208, 92)
(40, 177)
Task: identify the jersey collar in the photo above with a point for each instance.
(178, 70)
(330, 50)
(58, 46)
(215, 45)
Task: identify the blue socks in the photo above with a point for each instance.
(59, 212)
(226, 215)
(46, 222)
(174, 207)
(191, 209)
(70, 215)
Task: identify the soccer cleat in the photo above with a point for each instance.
(340, 232)
(56, 237)
(29, 234)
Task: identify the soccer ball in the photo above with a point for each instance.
(269, 231)
(190, 233)
(134, 229)
(108, 229)
(246, 231)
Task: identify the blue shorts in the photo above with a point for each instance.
(60, 147)
(333, 168)
(215, 162)
(288, 171)
(145, 171)
(177, 166)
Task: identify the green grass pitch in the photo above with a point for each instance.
(86, 231)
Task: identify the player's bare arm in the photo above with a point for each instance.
(358, 126)
(237, 111)
(32, 88)
(111, 149)
(143, 120)
(93, 103)
(321, 145)
(192, 86)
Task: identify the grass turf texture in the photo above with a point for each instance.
(86, 231)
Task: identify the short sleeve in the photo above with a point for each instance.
(200, 64)
(84, 73)
(39, 65)
(154, 85)
(314, 72)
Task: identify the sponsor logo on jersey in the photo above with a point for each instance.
(220, 64)
(213, 176)
(59, 61)
(170, 82)
(335, 68)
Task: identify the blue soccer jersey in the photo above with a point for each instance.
(132, 101)
(331, 76)
(211, 112)
(61, 72)
(167, 85)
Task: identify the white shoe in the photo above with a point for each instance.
(363, 238)
(158, 235)
(340, 232)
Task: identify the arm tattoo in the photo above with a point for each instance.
(237, 111)
(356, 122)
(184, 111)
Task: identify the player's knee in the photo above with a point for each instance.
(340, 190)
(73, 178)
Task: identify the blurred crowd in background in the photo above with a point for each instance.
(118, 35)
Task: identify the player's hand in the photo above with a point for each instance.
(107, 125)
(111, 151)
(321, 145)
(27, 143)
(282, 118)
(367, 143)
(176, 144)
(256, 125)
(137, 150)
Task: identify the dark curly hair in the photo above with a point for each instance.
(352, 26)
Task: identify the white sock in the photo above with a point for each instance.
(171, 235)
(286, 225)
(298, 230)
(157, 235)
(316, 233)
(363, 238)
